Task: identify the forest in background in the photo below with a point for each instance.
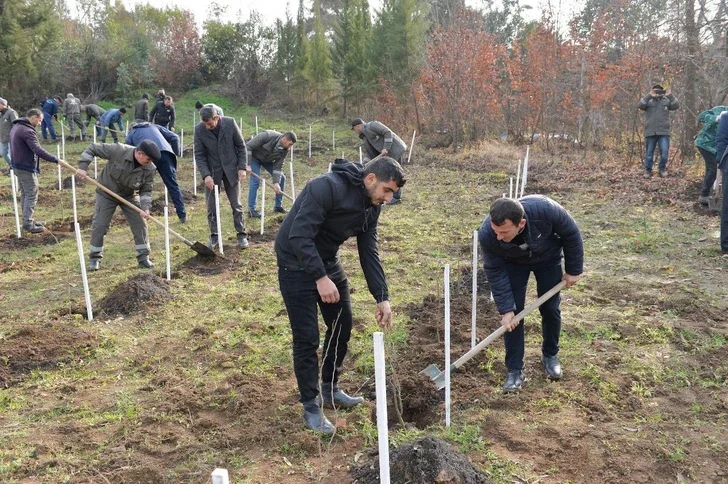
(467, 72)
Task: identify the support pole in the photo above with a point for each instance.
(194, 174)
(381, 389)
(262, 208)
(333, 141)
(293, 185)
(518, 178)
(60, 180)
(84, 276)
(166, 243)
(510, 189)
(73, 194)
(474, 324)
(256, 125)
(360, 158)
(412, 147)
(96, 165)
(525, 171)
(14, 188)
(309, 141)
(447, 345)
(63, 140)
(217, 215)
(182, 142)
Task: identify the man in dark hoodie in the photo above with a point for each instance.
(331, 208)
(168, 144)
(25, 154)
(163, 113)
(141, 108)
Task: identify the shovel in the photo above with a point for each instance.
(271, 185)
(438, 377)
(196, 246)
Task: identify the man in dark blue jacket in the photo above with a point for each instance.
(331, 208)
(108, 120)
(721, 155)
(168, 144)
(519, 237)
(50, 112)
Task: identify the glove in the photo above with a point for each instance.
(717, 118)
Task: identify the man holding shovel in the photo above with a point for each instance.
(129, 170)
(379, 140)
(331, 208)
(519, 237)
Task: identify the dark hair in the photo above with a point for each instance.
(145, 96)
(198, 105)
(207, 113)
(33, 112)
(122, 110)
(168, 97)
(386, 169)
(290, 135)
(506, 209)
(58, 98)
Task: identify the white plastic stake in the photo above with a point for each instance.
(166, 243)
(220, 476)
(73, 194)
(333, 140)
(126, 130)
(84, 277)
(360, 158)
(63, 139)
(309, 141)
(262, 207)
(217, 214)
(14, 188)
(241, 125)
(166, 197)
(60, 180)
(256, 125)
(329, 167)
(518, 177)
(182, 142)
(342, 156)
(96, 167)
(525, 171)
(412, 147)
(475, 289)
(380, 377)
(447, 345)
(510, 189)
(194, 174)
(293, 185)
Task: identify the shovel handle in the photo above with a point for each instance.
(498, 332)
(271, 185)
(126, 202)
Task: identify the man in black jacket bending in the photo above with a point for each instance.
(519, 237)
(331, 208)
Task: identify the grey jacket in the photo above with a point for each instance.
(266, 148)
(377, 137)
(71, 105)
(657, 113)
(141, 109)
(6, 123)
(121, 175)
(222, 154)
(93, 111)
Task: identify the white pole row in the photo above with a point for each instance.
(256, 125)
(166, 243)
(447, 345)
(217, 213)
(73, 194)
(380, 378)
(84, 276)
(14, 188)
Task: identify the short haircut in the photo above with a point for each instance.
(506, 209)
(290, 135)
(33, 112)
(122, 110)
(386, 169)
(145, 96)
(207, 113)
(167, 97)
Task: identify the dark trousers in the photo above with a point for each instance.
(302, 300)
(232, 190)
(46, 126)
(547, 274)
(167, 168)
(724, 213)
(104, 211)
(711, 170)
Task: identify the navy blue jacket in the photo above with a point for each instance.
(721, 141)
(330, 209)
(550, 232)
(49, 107)
(111, 117)
(161, 136)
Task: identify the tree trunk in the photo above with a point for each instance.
(691, 34)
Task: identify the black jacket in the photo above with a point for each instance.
(330, 209)
(549, 229)
(266, 148)
(162, 114)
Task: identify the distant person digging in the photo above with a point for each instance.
(519, 237)
(108, 120)
(378, 140)
(657, 105)
(269, 149)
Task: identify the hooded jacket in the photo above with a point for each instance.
(6, 123)
(721, 144)
(377, 137)
(331, 209)
(25, 151)
(657, 113)
(49, 107)
(266, 148)
(71, 105)
(159, 135)
(706, 137)
(550, 231)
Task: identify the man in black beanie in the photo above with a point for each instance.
(129, 170)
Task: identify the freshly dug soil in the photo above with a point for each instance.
(424, 461)
(135, 294)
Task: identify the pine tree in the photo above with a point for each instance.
(352, 65)
(286, 47)
(318, 68)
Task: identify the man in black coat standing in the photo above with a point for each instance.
(721, 156)
(331, 208)
(519, 237)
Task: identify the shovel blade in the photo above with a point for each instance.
(439, 381)
(203, 250)
(431, 372)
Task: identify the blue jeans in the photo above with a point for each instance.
(547, 274)
(5, 152)
(302, 301)
(254, 182)
(663, 141)
(167, 168)
(46, 126)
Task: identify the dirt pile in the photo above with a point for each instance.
(135, 294)
(424, 461)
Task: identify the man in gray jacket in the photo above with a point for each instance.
(220, 157)
(657, 105)
(141, 108)
(129, 170)
(7, 116)
(269, 150)
(378, 140)
(72, 111)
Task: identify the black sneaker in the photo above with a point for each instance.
(280, 210)
(33, 229)
(243, 242)
(253, 213)
(183, 220)
(552, 366)
(145, 263)
(515, 381)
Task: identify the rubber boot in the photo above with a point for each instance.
(315, 419)
(335, 398)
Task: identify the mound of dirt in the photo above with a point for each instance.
(29, 240)
(423, 461)
(135, 294)
(206, 266)
(44, 347)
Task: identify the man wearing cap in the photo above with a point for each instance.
(378, 140)
(25, 155)
(657, 105)
(169, 147)
(72, 111)
(141, 108)
(220, 156)
(269, 150)
(50, 112)
(107, 121)
(129, 171)
(7, 116)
